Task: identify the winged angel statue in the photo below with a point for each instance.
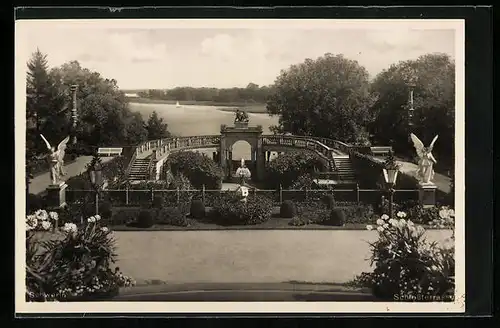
(56, 159)
(425, 172)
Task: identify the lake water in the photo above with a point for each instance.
(190, 120)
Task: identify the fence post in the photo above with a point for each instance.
(203, 194)
(356, 190)
(307, 194)
(126, 195)
(152, 195)
(96, 203)
(178, 196)
(281, 194)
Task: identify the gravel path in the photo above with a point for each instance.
(40, 183)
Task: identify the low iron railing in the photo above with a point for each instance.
(137, 197)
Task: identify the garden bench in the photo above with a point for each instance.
(110, 151)
(381, 151)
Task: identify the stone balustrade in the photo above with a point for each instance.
(160, 149)
(308, 143)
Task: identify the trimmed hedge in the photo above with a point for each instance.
(197, 210)
(171, 216)
(320, 213)
(145, 219)
(288, 209)
(337, 217)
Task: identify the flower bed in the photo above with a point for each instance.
(406, 266)
(73, 263)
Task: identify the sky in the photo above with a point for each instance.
(207, 53)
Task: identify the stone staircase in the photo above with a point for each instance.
(346, 172)
(139, 170)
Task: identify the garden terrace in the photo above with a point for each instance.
(149, 157)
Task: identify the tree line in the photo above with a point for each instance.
(333, 97)
(104, 117)
(253, 93)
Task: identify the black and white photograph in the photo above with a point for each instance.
(188, 165)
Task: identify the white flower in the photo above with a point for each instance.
(54, 216)
(369, 227)
(401, 214)
(434, 268)
(384, 217)
(402, 222)
(97, 217)
(91, 219)
(104, 229)
(31, 222)
(393, 222)
(380, 229)
(380, 222)
(386, 226)
(443, 213)
(41, 215)
(46, 225)
(410, 223)
(446, 213)
(70, 227)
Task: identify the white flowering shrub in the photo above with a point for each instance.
(76, 263)
(41, 220)
(406, 265)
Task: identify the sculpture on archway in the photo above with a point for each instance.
(241, 117)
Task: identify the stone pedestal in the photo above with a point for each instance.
(56, 196)
(427, 194)
(241, 125)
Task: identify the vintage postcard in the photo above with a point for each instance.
(249, 166)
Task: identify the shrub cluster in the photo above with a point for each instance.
(322, 213)
(198, 168)
(229, 209)
(34, 202)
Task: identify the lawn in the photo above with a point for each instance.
(250, 256)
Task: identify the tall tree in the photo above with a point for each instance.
(44, 104)
(433, 79)
(328, 97)
(157, 129)
(102, 108)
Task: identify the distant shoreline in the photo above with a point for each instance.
(225, 107)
